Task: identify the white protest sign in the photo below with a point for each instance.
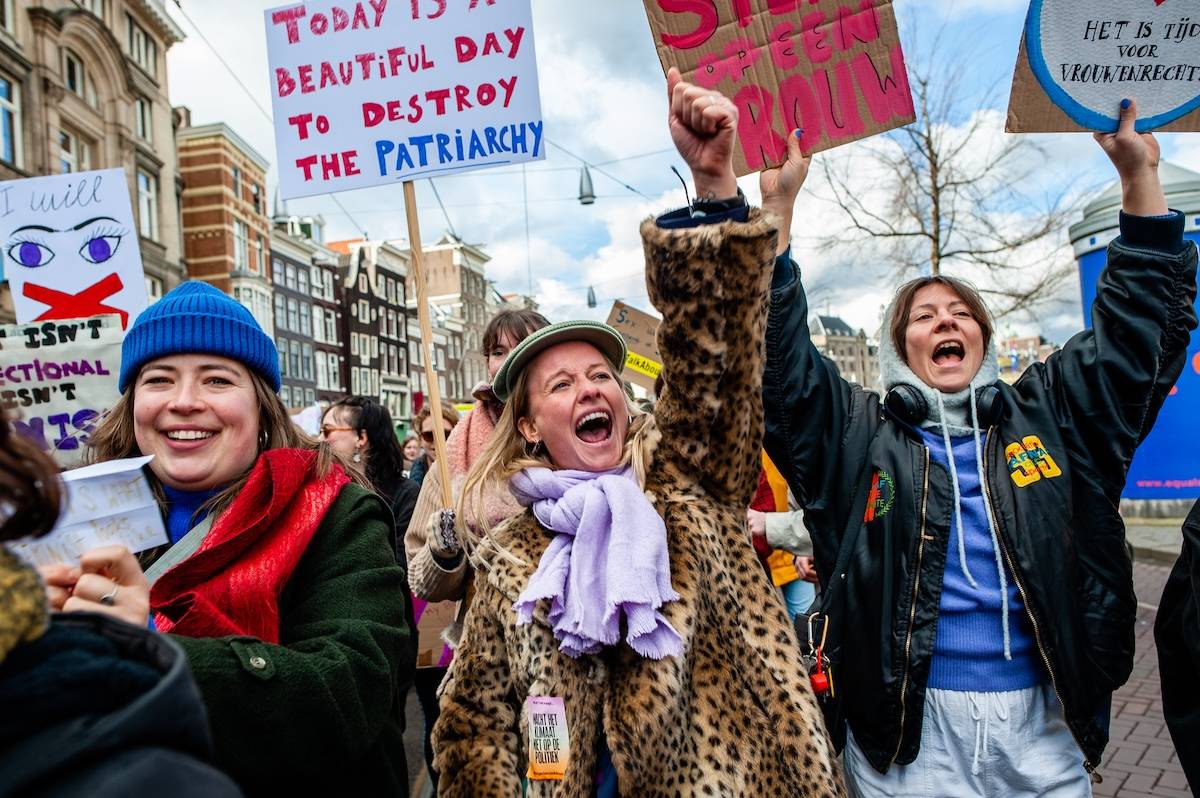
(57, 378)
(71, 248)
(373, 92)
(309, 420)
(1088, 55)
(107, 504)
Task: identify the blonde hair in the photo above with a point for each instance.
(506, 455)
(115, 439)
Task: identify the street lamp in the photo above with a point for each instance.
(587, 195)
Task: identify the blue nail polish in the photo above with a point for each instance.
(800, 133)
(1125, 104)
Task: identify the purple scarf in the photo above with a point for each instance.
(608, 561)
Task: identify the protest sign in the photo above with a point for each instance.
(107, 504)
(831, 68)
(642, 361)
(369, 93)
(1079, 58)
(57, 378)
(71, 247)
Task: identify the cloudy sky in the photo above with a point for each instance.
(603, 98)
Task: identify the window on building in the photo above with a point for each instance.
(295, 362)
(331, 327)
(364, 311)
(293, 312)
(147, 189)
(306, 361)
(327, 279)
(310, 397)
(285, 395)
(382, 324)
(8, 16)
(95, 6)
(302, 280)
(142, 48)
(241, 243)
(354, 381)
(305, 319)
(74, 154)
(318, 324)
(322, 370)
(76, 79)
(256, 197)
(290, 271)
(237, 182)
(154, 289)
(10, 118)
(143, 122)
(276, 271)
(354, 343)
(281, 345)
(374, 346)
(258, 253)
(362, 283)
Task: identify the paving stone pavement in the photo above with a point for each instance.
(1140, 759)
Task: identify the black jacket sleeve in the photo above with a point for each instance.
(1108, 383)
(808, 409)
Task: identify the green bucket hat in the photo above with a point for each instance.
(605, 338)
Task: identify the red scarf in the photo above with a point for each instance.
(232, 583)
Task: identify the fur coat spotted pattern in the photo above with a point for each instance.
(734, 715)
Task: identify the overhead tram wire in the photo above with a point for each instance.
(267, 114)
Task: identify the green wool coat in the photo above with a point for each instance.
(318, 713)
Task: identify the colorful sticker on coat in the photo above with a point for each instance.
(1029, 461)
(549, 740)
(882, 496)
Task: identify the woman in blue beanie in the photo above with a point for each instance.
(280, 582)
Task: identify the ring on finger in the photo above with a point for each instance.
(110, 598)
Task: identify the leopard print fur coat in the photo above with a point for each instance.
(733, 716)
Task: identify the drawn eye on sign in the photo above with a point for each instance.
(65, 248)
(1085, 56)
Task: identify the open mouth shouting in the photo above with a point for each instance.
(949, 353)
(595, 427)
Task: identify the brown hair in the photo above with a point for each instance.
(516, 324)
(29, 488)
(902, 306)
(114, 439)
(449, 414)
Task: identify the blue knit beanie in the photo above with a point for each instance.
(196, 318)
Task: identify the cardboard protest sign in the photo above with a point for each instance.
(831, 68)
(106, 504)
(57, 378)
(71, 247)
(1079, 58)
(369, 93)
(642, 361)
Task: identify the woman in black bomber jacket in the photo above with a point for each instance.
(986, 613)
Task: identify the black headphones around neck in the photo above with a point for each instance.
(908, 404)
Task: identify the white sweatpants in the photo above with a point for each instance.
(1012, 744)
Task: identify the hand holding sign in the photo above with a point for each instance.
(108, 580)
(1135, 156)
(780, 187)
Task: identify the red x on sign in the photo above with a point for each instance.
(87, 303)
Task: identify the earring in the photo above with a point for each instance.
(357, 455)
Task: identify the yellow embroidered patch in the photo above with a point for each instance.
(1028, 461)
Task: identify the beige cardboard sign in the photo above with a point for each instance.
(642, 362)
(1079, 58)
(831, 68)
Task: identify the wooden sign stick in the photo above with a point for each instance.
(431, 375)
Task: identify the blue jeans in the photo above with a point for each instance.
(798, 596)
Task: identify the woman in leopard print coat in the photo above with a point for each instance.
(723, 706)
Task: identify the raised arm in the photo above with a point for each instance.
(1109, 382)
(707, 270)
